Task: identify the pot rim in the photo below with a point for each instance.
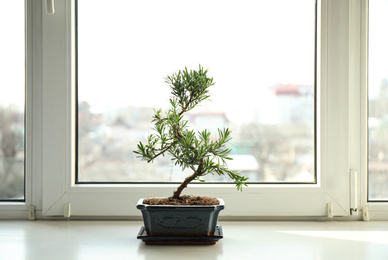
(141, 205)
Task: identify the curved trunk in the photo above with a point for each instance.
(192, 177)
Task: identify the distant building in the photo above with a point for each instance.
(290, 103)
(210, 120)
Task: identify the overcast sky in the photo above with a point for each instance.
(128, 47)
(12, 52)
(378, 44)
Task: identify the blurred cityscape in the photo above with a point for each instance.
(275, 145)
(11, 152)
(378, 143)
(12, 83)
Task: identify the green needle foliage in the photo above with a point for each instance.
(188, 149)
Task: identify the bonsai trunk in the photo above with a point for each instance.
(184, 184)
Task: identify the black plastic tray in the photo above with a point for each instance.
(176, 240)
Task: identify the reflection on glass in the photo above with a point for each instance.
(12, 100)
(260, 54)
(378, 100)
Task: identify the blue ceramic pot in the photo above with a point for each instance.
(177, 220)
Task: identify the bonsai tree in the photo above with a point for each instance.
(187, 148)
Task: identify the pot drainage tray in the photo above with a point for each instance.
(177, 240)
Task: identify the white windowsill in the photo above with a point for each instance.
(242, 240)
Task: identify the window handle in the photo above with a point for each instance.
(50, 7)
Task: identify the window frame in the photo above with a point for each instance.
(342, 131)
(372, 209)
(102, 198)
(21, 209)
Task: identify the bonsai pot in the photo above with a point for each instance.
(180, 220)
(189, 149)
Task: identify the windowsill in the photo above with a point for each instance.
(242, 240)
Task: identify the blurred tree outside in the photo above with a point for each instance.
(11, 153)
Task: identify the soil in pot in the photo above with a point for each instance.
(183, 200)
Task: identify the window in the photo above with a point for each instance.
(347, 120)
(341, 133)
(333, 144)
(264, 92)
(12, 92)
(378, 100)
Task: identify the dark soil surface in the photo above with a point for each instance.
(183, 200)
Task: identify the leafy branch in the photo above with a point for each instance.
(189, 149)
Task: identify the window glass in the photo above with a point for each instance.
(12, 92)
(260, 54)
(378, 100)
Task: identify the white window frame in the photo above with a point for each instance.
(32, 183)
(342, 130)
(120, 199)
(371, 210)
